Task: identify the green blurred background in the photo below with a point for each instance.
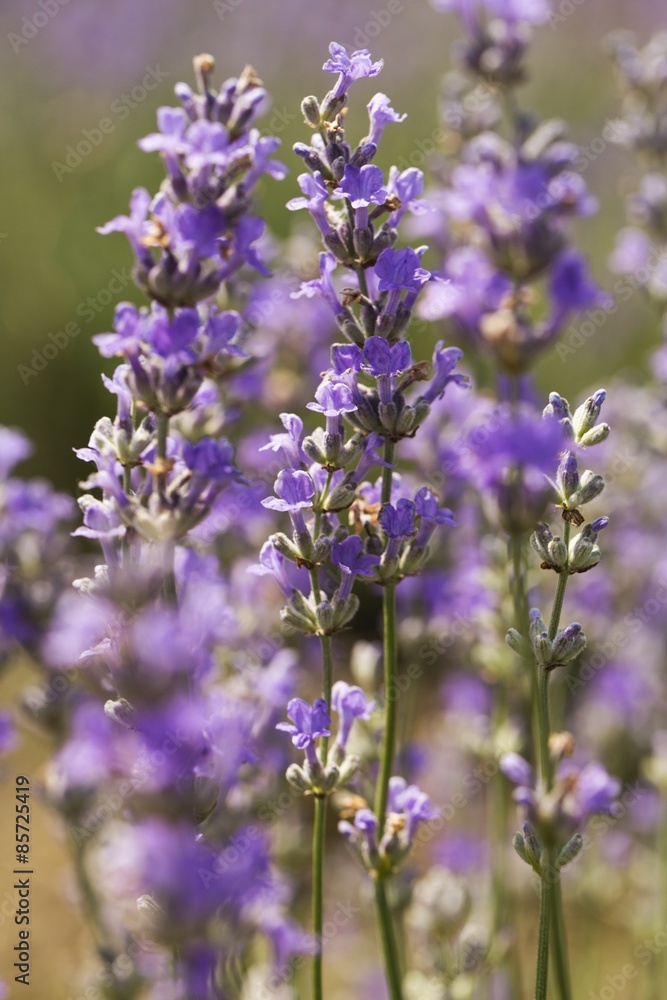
(83, 56)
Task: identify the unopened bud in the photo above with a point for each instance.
(570, 851)
(310, 108)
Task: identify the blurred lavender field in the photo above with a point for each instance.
(81, 83)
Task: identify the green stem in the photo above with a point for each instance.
(389, 949)
(390, 662)
(319, 825)
(391, 702)
(384, 915)
(319, 831)
(542, 973)
(563, 577)
(552, 921)
(388, 471)
(559, 943)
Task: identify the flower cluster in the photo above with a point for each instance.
(558, 806)
(159, 730)
(506, 209)
(577, 794)
(384, 849)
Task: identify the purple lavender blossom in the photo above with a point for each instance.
(410, 801)
(353, 561)
(398, 521)
(350, 68)
(316, 196)
(295, 492)
(308, 723)
(381, 114)
(350, 703)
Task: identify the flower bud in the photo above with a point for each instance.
(519, 845)
(362, 240)
(331, 106)
(518, 644)
(568, 477)
(310, 108)
(590, 487)
(406, 423)
(321, 550)
(584, 551)
(388, 414)
(567, 645)
(570, 851)
(537, 625)
(595, 436)
(324, 616)
(349, 767)
(340, 498)
(344, 611)
(313, 451)
(285, 546)
(551, 550)
(350, 451)
(297, 779)
(532, 845)
(586, 415)
(559, 408)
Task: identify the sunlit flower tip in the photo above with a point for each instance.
(585, 418)
(349, 67)
(295, 491)
(333, 399)
(307, 723)
(381, 114)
